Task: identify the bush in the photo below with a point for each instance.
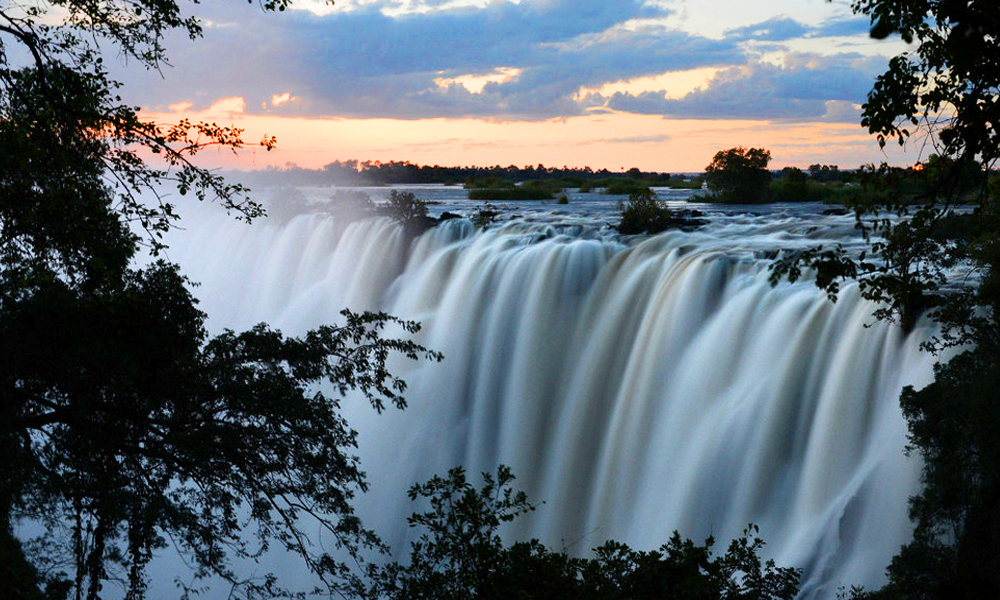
(473, 183)
(680, 183)
(484, 215)
(286, 203)
(352, 200)
(552, 186)
(351, 205)
(509, 193)
(404, 207)
(644, 213)
(617, 187)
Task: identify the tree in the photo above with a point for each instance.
(405, 207)
(460, 556)
(147, 434)
(793, 185)
(739, 175)
(929, 256)
(124, 428)
(643, 213)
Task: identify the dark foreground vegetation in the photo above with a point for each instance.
(125, 429)
(931, 256)
(461, 556)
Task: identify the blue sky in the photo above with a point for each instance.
(656, 67)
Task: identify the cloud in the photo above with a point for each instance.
(773, 30)
(783, 29)
(639, 139)
(805, 87)
(844, 27)
(279, 99)
(375, 61)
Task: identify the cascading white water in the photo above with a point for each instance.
(636, 388)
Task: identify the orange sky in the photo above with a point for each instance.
(613, 141)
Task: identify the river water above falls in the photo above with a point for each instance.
(635, 385)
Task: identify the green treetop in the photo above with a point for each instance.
(739, 175)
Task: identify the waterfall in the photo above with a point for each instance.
(634, 386)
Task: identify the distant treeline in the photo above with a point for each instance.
(366, 173)
(817, 183)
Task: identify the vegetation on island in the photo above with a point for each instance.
(738, 175)
(510, 193)
(643, 213)
(684, 182)
(485, 215)
(493, 188)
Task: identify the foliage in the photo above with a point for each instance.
(483, 216)
(133, 431)
(739, 175)
(618, 187)
(124, 428)
(490, 183)
(825, 173)
(405, 207)
(552, 186)
(461, 555)
(929, 255)
(946, 87)
(65, 104)
(793, 185)
(354, 172)
(680, 183)
(351, 204)
(623, 184)
(510, 193)
(645, 214)
(286, 203)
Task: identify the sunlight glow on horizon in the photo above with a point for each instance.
(656, 84)
(614, 141)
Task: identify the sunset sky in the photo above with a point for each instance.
(657, 84)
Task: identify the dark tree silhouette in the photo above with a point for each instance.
(124, 428)
(739, 175)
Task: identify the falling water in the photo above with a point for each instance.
(635, 386)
